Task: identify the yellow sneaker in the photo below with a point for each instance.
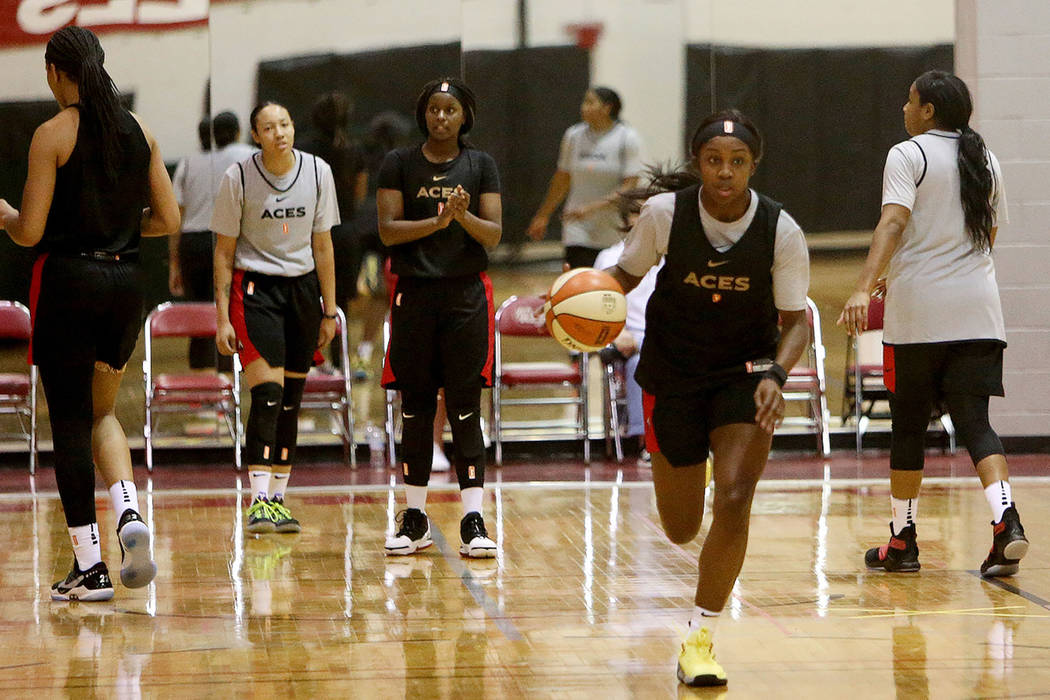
(696, 664)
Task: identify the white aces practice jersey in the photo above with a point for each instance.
(274, 218)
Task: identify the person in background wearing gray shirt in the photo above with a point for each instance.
(196, 179)
(599, 158)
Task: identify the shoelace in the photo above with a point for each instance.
(280, 510)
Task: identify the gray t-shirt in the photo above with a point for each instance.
(197, 179)
(274, 218)
(597, 164)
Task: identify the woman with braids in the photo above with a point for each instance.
(942, 200)
(734, 262)
(439, 210)
(96, 184)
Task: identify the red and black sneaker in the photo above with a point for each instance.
(901, 554)
(1009, 545)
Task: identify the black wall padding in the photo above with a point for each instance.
(376, 81)
(527, 98)
(828, 115)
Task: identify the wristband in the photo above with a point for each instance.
(777, 373)
(330, 316)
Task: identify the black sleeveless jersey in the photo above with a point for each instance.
(89, 212)
(425, 187)
(710, 312)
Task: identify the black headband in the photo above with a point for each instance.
(726, 127)
(448, 88)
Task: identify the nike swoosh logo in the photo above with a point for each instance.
(408, 415)
(271, 403)
(464, 416)
(281, 199)
(438, 178)
(712, 263)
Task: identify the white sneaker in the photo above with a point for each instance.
(475, 538)
(441, 463)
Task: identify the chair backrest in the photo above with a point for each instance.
(522, 316)
(194, 319)
(15, 321)
(876, 310)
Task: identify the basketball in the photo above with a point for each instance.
(587, 309)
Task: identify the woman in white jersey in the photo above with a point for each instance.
(599, 157)
(273, 217)
(942, 200)
(735, 268)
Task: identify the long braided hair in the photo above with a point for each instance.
(77, 52)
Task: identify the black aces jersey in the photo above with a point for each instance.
(425, 187)
(710, 312)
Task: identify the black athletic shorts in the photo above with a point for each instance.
(680, 427)
(276, 318)
(441, 333)
(930, 371)
(85, 310)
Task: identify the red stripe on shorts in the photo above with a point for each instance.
(648, 403)
(486, 371)
(34, 296)
(889, 368)
(247, 351)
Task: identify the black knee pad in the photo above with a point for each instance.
(908, 434)
(261, 429)
(288, 420)
(417, 435)
(969, 414)
(468, 443)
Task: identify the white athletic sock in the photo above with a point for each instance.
(259, 482)
(472, 499)
(999, 496)
(124, 496)
(364, 349)
(905, 510)
(702, 617)
(279, 483)
(416, 497)
(86, 545)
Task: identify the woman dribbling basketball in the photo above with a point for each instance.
(714, 361)
(439, 210)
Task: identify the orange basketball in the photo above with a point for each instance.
(587, 309)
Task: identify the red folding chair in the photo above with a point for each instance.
(18, 389)
(331, 392)
(806, 384)
(521, 319)
(188, 391)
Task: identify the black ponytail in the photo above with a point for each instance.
(77, 53)
(952, 107)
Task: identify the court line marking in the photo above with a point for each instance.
(472, 585)
(1010, 588)
(765, 485)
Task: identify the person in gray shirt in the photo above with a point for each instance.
(599, 158)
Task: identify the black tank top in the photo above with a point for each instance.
(710, 312)
(90, 212)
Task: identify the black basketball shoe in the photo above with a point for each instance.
(900, 554)
(1009, 545)
(475, 538)
(91, 585)
(412, 535)
(137, 567)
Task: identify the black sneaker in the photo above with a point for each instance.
(901, 554)
(1009, 545)
(282, 517)
(412, 535)
(91, 585)
(260, 517)
(137, 567)
(476, 542)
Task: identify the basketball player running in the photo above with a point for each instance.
(942, 201)
(714, 362)
(96, 184)
(275, 295)
(439, 210)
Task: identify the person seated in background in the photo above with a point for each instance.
(626, 346)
